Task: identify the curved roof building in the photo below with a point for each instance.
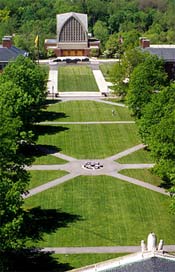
(72, 35)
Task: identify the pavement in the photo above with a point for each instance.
(52, 85)
(75, 167)
(103, 249)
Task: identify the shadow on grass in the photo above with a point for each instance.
(50, 116)
(47, 130)
(36, 222)
(33, 151)
(31, 260)
(52, 101)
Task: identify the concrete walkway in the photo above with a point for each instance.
(87, 123)
(104, 249)
(52, 85)
(76, 168)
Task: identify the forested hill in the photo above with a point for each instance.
(108, 19)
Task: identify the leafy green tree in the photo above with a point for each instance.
(14, 179)
(162, 145)
(121, 71)
(18, 103)
(118, 78)
(101, 32)
(156, 128)
(147, 78)
(31, 79)
(96, 10)
(112, 46)
(152, 113)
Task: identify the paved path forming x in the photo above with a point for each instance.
(75, 166)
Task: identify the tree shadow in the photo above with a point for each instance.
(32, 260)
(36, 222)
(52, 101)
(46, 129)
(50, 116)
(33, 151)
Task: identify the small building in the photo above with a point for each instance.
(72, 36)
(164, 51)
(151, 258)
(8, 52)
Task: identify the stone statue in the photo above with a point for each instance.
(143, 246)
(160, 246)
(152, 242)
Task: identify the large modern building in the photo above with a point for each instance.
(72, 36)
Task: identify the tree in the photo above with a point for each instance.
(112, 46)
(31, 79)
(146, 78)
(14, 180)
(118, 78)
(22, 88)
(152, 113)
(156, 128)
(162, 145)
(101, 32)
(121, 71)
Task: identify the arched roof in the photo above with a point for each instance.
(62, 19)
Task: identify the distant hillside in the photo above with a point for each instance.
(129, 19)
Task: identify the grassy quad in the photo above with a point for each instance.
(100, 210)
(76, 78)
(89, 141)
(105, 68)
(104, 211)
(144, 175)
(40, 177)
(80, 260)
(48, 159)
(83, 111)
(140, 156)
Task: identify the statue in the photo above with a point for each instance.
(143, 246)
(160, 246)
(152, 242)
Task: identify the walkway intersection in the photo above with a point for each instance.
(75, 167)
(110, 168)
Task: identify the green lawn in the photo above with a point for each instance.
(105, 68)
(85, 111)
(80, 260)
(144, 175)
(140, 156)
(103, 211)
(76, 78)
(40, 177)
(89, 141)
(48, 159)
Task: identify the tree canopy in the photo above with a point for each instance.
(129, 19)
(22, 87)
(147, 77)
